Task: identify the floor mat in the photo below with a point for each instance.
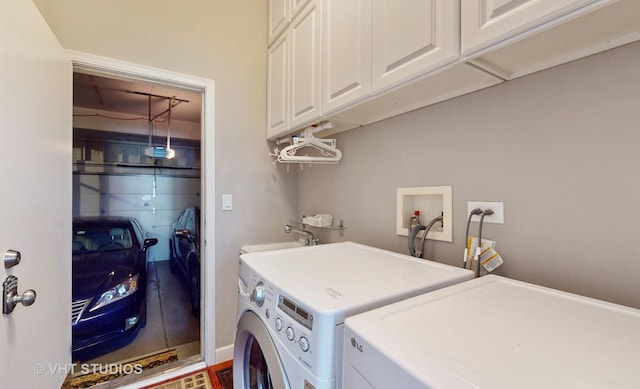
(219, 376)
(225, 378)
(197, 380)
(91, 374)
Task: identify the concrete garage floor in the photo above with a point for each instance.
(170, 323)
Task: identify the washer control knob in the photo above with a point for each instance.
(304, 344)
(278, 324)
(258, 294)
(290, 334)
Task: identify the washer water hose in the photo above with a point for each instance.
(412, 235)
(476, 211)
(486, 212)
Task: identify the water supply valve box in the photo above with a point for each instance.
(431, 201)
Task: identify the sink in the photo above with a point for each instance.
(271, 246)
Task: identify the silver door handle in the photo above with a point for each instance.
(11, 298)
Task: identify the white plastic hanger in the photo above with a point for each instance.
(323, 150)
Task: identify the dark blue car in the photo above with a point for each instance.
(109, 282)
(184, 253)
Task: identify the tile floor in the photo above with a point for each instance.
(170, 323)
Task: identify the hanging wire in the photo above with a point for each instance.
(172, 103)
(150, 122)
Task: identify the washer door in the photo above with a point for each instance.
(256, 364)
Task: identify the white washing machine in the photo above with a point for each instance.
(292, 305)
(493, 332)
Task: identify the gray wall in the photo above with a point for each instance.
(224, 41)
(559, 147)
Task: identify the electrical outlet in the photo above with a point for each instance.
(496, 206)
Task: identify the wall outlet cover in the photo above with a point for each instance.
(496, 206)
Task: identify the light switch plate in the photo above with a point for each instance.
(496, 206)
(227, 202)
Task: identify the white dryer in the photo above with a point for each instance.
(292, 305)
(493, 332)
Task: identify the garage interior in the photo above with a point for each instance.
(115, 122)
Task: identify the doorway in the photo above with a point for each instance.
(164, 82)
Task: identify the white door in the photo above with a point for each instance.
(35, 197)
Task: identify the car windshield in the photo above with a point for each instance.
(102, 238)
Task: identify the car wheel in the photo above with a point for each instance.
(172, 259)
(194, 283)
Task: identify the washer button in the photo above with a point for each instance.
(278, 324)
(290, 334)
(304, 344)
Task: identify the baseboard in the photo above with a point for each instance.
(224, 353)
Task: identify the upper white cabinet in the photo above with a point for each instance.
(293, 72)
(304, 75)
(278, 87)
(431, 88)
(354, 62)
(297, 6)
(487, 22)
(412, 37)
(374, 45)
(561, 35)
(346, 52)
(279, 16)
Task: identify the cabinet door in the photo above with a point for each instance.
(277, 87)
(279, 15)
(487, 22)
(304, 97)
(412, 37)
(346, 51)
(297, 6)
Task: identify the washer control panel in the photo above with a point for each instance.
(295, 311)
(294, 327)
(291, 323)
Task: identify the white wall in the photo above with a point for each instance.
(559, 147)
(224, 41)
(134, 196)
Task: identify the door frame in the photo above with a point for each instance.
(112, 68)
